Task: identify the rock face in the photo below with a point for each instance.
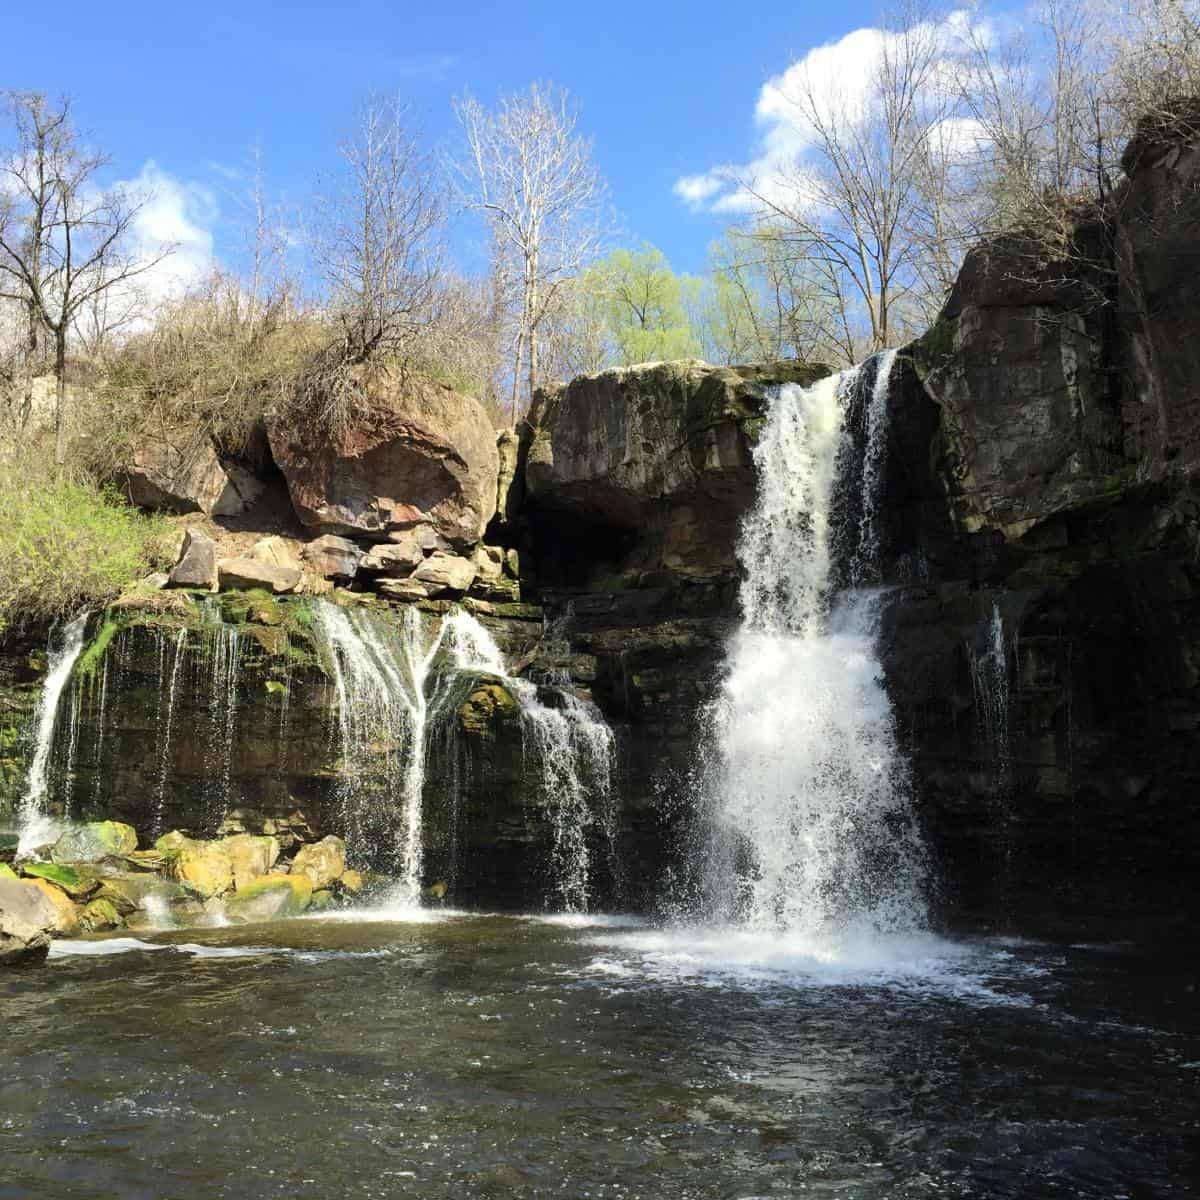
(27, 918)
(418, 454)
(182, 476)
(651, 466)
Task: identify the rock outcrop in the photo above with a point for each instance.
(417, 455)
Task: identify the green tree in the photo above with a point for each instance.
(644, 305)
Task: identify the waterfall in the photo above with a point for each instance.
(813, 833)
(570, 751)
(379, 680)
(33, 823)
(990, 684)
(165, 722)
(395, 692)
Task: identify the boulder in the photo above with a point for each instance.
(66, 915)
(197, 565)
(445, 572)
(205, 867)
(67, 879)
(332, 557)
(245, 573)
(351, 882)
(270, 898)
(249, 856)
(658, 457)
(405, 589)
(416, 453)
(130, 892)
(323, 861)
(99, 915)
(397, 558)
(181, 475)
(94, 841)
(275, 552)
(26, 918)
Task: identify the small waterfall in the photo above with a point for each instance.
(222, 659)
(165, 723)
(812, 817)
(380, 684)
(396, 693)
(33, 823)
(991, 687)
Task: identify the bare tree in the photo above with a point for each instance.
(63, 239)
(531, 174)
(377, 244)
(849, 203)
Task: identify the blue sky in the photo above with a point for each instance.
(666, 89)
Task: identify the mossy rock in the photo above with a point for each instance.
(94, 841)
(75, 885)
(99, 915)
(6, 872)
(129, 893)
(270, 898)
(66, 916)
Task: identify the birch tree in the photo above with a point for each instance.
(64, 240)
(529, 171)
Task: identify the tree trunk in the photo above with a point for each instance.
(532, 322)
(516, 383)
(60, 398)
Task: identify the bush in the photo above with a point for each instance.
(67, 545)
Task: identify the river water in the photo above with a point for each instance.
(374, 1055)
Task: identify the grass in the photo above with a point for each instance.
(66, 544)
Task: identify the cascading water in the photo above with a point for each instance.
(165, 722)
(34, 826)
(394, 693)
(380, 685)
(813, 832)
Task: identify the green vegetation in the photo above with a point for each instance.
(66, 544)
(93, 655)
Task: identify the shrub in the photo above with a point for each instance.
(66, 545)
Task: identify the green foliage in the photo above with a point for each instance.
(65, 545)
(93, 655)
(644, 306)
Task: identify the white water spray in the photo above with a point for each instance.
(33, 823)
(812, 797)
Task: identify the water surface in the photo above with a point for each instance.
(570, 1057)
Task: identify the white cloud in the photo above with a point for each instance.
(839, 77)
(176, 216)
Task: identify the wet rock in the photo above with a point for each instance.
(197, 565)
(26, 918)
(270, 898)
(65, 878)
(100, 915)
(94, 841)
(205, 867)
(245, 573)
(445, 572)
(333, 557)
(351, 882)
(130, 893)
(323, 861)
(416, 454)
(66, 915)
(250, 856)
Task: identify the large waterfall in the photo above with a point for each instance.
(813, 833)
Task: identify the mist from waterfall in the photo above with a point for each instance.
(812, 834)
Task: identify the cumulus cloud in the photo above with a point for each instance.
(838, 77)
(176, 219)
